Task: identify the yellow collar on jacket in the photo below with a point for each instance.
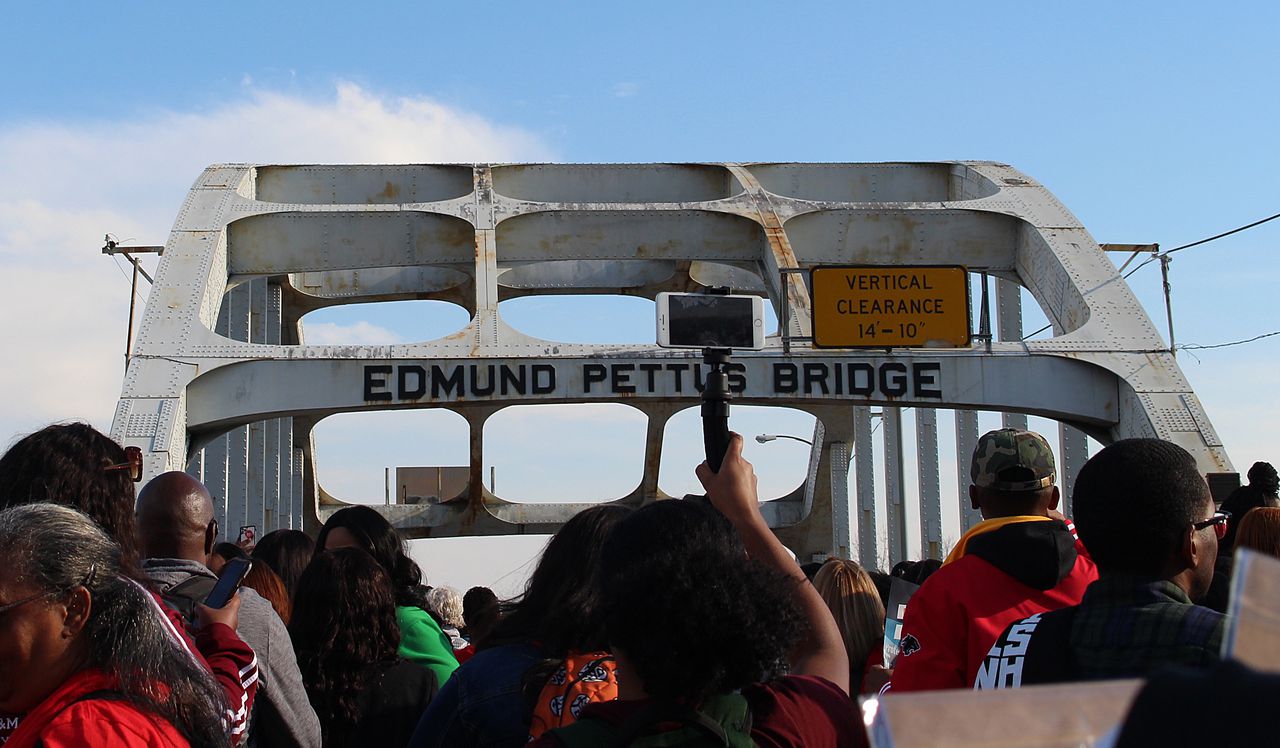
(987, 526)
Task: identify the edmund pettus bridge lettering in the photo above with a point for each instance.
(561, 380)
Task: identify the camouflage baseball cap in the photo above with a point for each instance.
(1012, 460)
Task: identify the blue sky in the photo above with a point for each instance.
(1151, 121)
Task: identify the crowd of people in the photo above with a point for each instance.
(674, 623)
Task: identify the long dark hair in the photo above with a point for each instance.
(561, 605)
(344, 621)
(65, 464)
(58, 550)
(380, 540)
(287, 552)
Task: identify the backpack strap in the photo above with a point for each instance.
(667, 711)
(586, 733)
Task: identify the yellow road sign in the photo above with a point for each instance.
(883, 306)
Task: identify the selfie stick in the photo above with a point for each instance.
(715, 407)
(715, 399)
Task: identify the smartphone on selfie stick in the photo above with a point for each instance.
(716, 322)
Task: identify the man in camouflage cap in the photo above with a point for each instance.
(1022, 559)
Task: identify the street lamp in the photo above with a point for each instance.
(763, 438)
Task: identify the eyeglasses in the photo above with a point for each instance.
(19, 603)
(132, 463)
(1219, 522)
(88, 580)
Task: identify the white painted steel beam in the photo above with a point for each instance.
(870, 544)
(929, 483)
(1009, 330)
(966, 442)
(894, 488)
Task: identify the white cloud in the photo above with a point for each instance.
(64, 184)
(357, 333)
(625, 89)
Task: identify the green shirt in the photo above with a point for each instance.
(422, 641)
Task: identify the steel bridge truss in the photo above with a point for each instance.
(222, 384)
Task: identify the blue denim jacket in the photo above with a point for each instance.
(482, 704)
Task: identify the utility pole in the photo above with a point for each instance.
(1168, 301)
(1163, 257)
(113, 248)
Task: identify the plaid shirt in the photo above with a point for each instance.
(1122, 628)
(1126, 627)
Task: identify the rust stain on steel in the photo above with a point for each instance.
(793, 285)
(475, 483)
(652, 459)
(391, 192)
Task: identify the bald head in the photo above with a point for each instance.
(175, 518)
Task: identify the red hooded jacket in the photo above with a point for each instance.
(1002, 571)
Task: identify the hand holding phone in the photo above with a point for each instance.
(228, 582)
(228, 615)
(222, 604)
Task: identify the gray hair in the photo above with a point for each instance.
(446, 603)
(56, 550)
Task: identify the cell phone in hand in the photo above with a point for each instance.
(228, 582)
(248, 536)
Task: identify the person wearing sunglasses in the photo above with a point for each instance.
(1144, 512)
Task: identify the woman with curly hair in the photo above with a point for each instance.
(345, 633)
(83, 654)
(716, 629)
(75, 465)
(852, 598)
(421, 638)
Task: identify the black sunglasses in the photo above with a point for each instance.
(1219, 522)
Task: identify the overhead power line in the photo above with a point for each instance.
(1166, 253)
(1225, 233)
(1140, 266)
(1193, 346)
(1215, 237)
